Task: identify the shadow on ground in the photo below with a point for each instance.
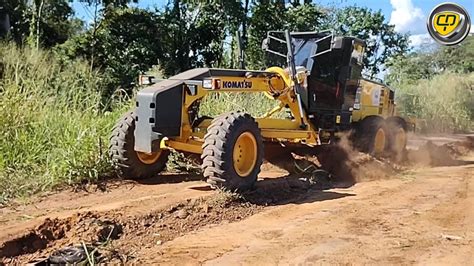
(294, 189)
(171, 179)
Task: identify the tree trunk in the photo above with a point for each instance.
(244, 24)
(4, 22)
(38, 24)
(34, 37)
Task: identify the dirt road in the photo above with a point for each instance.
(400, 221)
(418, 215)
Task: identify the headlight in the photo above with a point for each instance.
(207, 83)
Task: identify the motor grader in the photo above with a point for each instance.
(319, 85)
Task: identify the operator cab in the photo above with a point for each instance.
(333, 66)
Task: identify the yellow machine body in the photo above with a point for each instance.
(277, 86)
(373, 99)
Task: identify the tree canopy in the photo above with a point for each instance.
(124, 41)
(413, 66)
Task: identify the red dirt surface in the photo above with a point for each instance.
(419, 212)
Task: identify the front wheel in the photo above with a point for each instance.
(232, 152)
(128, 162)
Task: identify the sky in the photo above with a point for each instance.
(408, 16)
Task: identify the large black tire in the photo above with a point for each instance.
(368, 133)
(221, 147)
(127, 162)
(397, 137)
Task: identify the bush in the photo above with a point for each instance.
(446, 102)
(53, 128)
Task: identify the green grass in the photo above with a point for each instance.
(255, 104)
(444, 103)
(54, 129)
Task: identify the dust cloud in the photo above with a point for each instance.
(347, 166)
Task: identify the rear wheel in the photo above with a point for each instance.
(232, 152)
(128, 162)
(371, 136)
(397, 139)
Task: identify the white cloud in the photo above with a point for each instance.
(472, 29)
(420, 40)
(407, 17)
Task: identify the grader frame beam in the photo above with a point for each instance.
(276, 84)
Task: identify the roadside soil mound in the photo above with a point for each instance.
(115, 236)
(447, 154)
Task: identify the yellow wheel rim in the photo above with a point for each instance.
(379, 141)
(400, 140)
(245, 154)
(148, 158)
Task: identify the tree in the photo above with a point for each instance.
(458, 58)
(382, 41)
(194, 33)
(42, 22)
(58, 23)
(109, 3)
(266, 16)
(4, 22)
(17, 11)
(124, 42)
(306, 17)
(410, 68)
(127, 43)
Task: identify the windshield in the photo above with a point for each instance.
(304, 49)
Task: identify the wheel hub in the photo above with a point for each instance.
(245, 154)
(379, 141)
(148, 158)
(400, 140)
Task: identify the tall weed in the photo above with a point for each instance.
(53, 125)
(445, 103)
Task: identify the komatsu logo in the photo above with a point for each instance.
(237, 84)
